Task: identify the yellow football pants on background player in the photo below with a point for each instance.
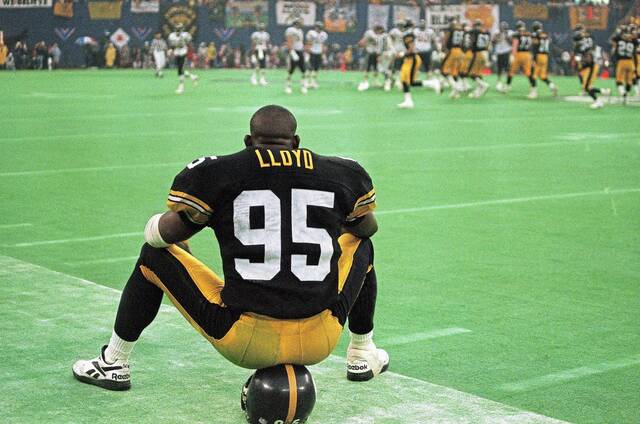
(466, 62)
(638, 65)
(625, 71)
(588, 74)
(452, 63)
(541, 67)
(521, 62)
(256, 341)
(478, 64)
(410, 68)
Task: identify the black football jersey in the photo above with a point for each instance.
(540, 43)
(481, 40)
(277, 215)
(524, 40)
(456, 38)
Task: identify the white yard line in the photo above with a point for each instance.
(76, 240)
(419, 337)
(624, 138)
(570, 375)
(510, 200)
(43, 172)
(20, 225)
(94, 135)
(101, 261)
(390, 398)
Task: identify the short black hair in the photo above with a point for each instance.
(273, 121)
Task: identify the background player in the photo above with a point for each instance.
(159, 49)
(425, 40)
(452, 63)
(521, 51)
(259, 48)
(276, 306)
(179, 40)
(540, 50)
(502, 50)
(295, 43)
(317, 38)
(396, 35)
(624, 48)
(584, 46)
(372, 41)
(409, 70)
(480, 43)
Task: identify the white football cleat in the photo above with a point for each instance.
(364, 85)
(287, 90)
(598, 104)
(180, 89)
(365, 363)
(406, 104)
(254, 80)
(313, 84)
(455, 94)
(387, 85)
(533, 94)
(195, 79)
(100, 373)
(303, 89)
(554, 90)
(263, 82)
(499, 86)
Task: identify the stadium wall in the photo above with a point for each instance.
(36, 24)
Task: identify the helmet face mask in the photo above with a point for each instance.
(267, 394)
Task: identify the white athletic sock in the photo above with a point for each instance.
(181, 79)
(622, 90)
(118, 349)
(407, 98)
(363, 340)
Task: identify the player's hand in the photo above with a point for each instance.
(294, 55)
(578, 58)
(512, 58)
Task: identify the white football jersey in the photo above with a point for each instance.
(396, 36)
(158, 45)
(424, 39)
(180, 42)
(317, 40)
(298, 37)
(260, 40)
(374, 42)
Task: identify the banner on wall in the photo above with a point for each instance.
(145, 6)
(64, 33)
(63, 8)
(538, 12)
(439, 17)
(24, 4)
(179, 13)
(99, 10)
(489, 15)
(120, 38)
(215, 10)
(246, 13)
(592, 17)
(340, 16)
(288, 11)
(378, 14)
(402, 13)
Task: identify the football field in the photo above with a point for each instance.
(508, 255)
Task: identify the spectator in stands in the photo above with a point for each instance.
(348, 58)
(125, 56)
(202, 60)
(110, 56)
(222, 55)
(54, 54)
(21, 55)
(137, 58)
(212, 54)
(4, 54)
(147, 56)
(40, 55)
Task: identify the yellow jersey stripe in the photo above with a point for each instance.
(186, 196)
(348, 244)
(293, 393)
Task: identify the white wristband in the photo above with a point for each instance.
(152, 233)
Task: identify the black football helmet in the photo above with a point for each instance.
(520, 25)
(269, 395)
(537, 26)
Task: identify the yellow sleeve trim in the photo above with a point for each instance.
(177, 195)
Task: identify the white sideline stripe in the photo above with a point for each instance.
(569, 375)
(7, 226)
(89, 169)
(101, 261)
(418, 401)
(91, 136)
(418, 337)
(474, 148)
(76, 240)
(604, 192)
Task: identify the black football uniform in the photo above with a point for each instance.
(277, 215)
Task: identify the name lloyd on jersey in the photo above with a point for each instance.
(302, 158)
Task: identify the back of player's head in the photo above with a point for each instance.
(179, 26)
(408, 24)
(422, 24)
(318, 25)
(262, 26)
(298, 22)
(283, 393)
(272, 124)
(477, 24)
(520, 26)
(536, 26)
(400, 23)
(504, 25)
(379, 29)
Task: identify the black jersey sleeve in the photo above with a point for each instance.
(364, 194)
(188, 195)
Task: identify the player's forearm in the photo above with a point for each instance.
(168, 228)
(366, 227)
